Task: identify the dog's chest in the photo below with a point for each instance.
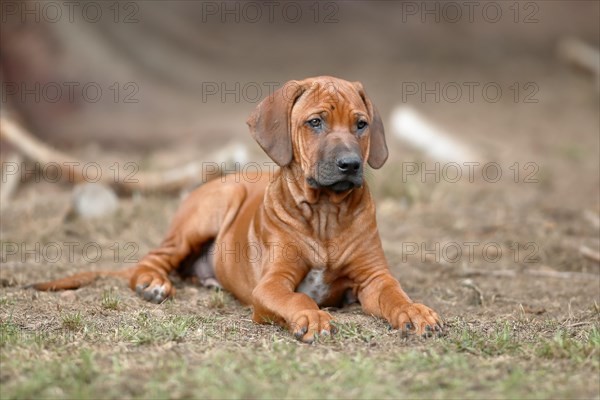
(327, 221)
(314, 285)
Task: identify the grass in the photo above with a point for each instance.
(110, 301)
(171, 356)
(5, 301)
(500, 341)
(73, 322)
(563, 346)
(150, 331)
(353, 330)
(9, 333)
(278, 370)
(218, 299)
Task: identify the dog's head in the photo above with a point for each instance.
(327, 126)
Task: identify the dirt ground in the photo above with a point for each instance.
(500, 261)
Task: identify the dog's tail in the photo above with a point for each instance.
(81, 279)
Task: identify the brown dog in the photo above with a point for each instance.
(302, 238)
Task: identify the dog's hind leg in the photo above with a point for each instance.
(199, 219)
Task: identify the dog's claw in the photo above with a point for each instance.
(147, 295)
(140, 288)
(414, 318)
(301, 332)
(155, 295)
(439, 329)
(152, 286)
(334, 328)
(307, 325)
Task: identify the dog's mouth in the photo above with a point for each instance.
(337, 175)
(338, 187)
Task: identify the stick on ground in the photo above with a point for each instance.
(73, 169)
(10, 179)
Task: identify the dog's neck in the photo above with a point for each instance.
(291, 187)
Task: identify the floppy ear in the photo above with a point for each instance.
(270, 122)
(378, 152)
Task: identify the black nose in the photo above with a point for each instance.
(349, 164)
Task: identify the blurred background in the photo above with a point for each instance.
(163, 84)
(160, 78)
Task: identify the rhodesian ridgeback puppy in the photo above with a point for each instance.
(296, 240)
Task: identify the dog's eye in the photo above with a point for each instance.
(362, 124)
(315, 122)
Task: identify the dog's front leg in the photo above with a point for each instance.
(380, 294)
(274, 299)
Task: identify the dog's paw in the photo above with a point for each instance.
(307, 325)
(416, 319)
(151, 285)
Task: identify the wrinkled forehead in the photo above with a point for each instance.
(321, 95)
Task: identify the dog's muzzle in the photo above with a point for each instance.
(342, 172)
